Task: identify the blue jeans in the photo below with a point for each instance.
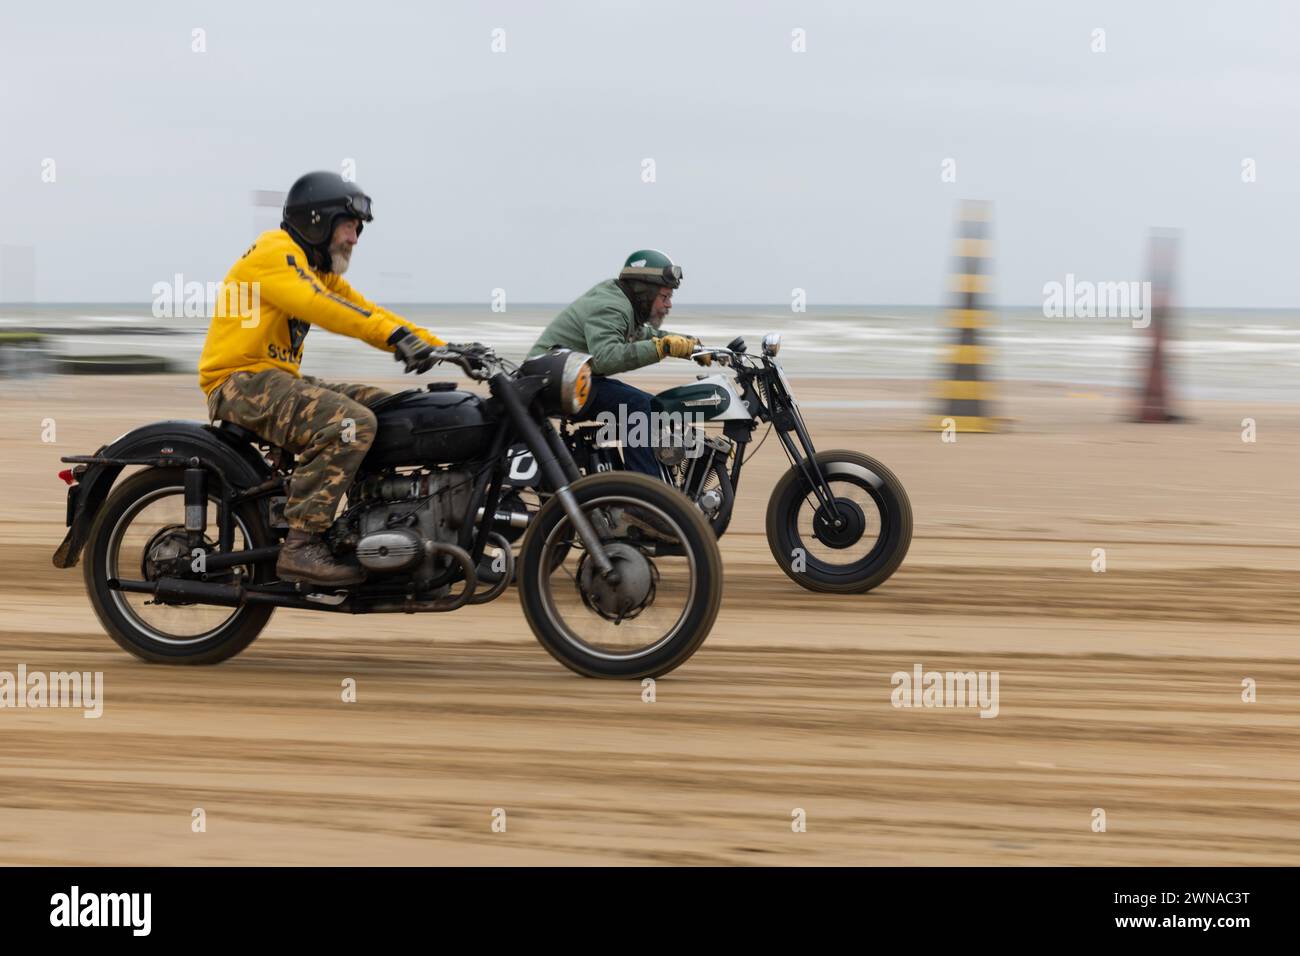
(609, 395)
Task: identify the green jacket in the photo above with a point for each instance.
(601, 323)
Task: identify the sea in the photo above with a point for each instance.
(1216, 354)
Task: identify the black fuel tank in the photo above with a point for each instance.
(440, 427)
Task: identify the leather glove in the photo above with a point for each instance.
(678, 346)
(429, 337)
(420, 333)
(704, 358)
(411, 350)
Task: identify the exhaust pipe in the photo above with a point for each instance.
(205, 592)
(236, 595)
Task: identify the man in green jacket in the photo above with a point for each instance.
(618, 323)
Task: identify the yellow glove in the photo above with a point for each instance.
(704, 358)
(678, 346)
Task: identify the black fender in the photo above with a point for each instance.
(236, 461)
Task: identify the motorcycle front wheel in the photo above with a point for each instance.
(855, 548)
(669, 585)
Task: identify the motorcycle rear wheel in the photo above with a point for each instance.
(166, 634)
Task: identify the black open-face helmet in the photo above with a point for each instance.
(316, 202)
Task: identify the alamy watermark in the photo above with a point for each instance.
(922, 688)
(200, 300)
(36, 689)
(1083, 299)
(130, 910)
(637, 429)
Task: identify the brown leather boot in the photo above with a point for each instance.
(305, 557)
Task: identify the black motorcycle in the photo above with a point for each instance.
(838, 521)
(619, 576)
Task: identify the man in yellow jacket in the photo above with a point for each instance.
(290, 279)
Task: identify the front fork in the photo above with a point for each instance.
(787, 420)
(557, 467)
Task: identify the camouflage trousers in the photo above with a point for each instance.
(327, 426)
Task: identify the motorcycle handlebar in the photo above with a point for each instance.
(474, 358)
(718, 352)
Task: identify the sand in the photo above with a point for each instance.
(1119, 691)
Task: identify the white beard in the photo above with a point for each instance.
(339, 261)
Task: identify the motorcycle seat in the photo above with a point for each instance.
(241, 433)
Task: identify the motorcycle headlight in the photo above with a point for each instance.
(568, 375)
(575, 383)
(771, 344)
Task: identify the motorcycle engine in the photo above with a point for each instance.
(391, 520)
(677, 444)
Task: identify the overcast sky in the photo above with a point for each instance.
(774, 169)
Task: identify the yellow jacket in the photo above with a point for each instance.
(269, 301)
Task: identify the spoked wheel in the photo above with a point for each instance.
(853, 549)
(669, 583)
(139, 534)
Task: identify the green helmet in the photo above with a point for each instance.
(651, 265)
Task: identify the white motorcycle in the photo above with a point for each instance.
(838, 521)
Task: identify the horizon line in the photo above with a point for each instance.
(683, 307)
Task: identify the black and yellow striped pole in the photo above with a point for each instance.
(965, 392)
